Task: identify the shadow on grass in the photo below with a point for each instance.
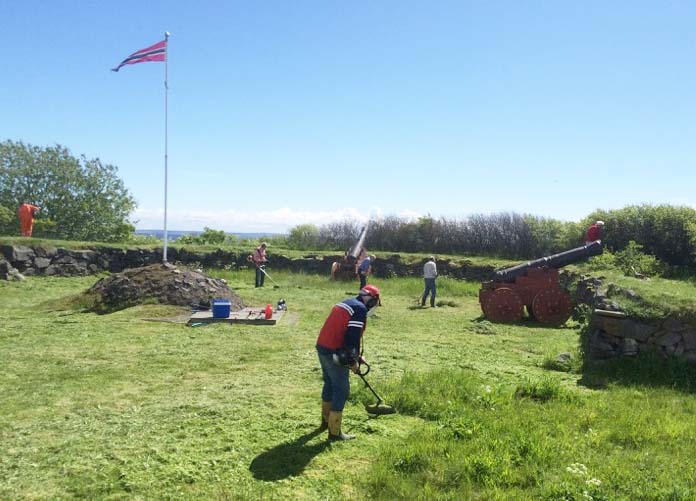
(288, 459)
(439, 304)
(646, 370)
(527, 321)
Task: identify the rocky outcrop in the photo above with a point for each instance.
(8, 272)
(46, 260)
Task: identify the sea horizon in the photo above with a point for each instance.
(174, 234)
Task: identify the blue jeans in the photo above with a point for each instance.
(363, 280)
(336, 385)
(431, 288)
(259, 276)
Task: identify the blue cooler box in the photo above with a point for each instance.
(221, 308)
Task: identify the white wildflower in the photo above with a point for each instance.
(578, 469)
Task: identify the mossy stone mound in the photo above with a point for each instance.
(159, 283)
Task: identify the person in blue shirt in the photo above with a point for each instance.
(365, 269)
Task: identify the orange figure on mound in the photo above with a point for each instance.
(26, 214)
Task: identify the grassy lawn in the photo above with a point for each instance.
(659, 296)
(122, 405)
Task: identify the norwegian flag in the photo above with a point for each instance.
(157, 52)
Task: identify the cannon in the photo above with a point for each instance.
(347, 269)
(534, 285)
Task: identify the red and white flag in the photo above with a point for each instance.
(157, 52)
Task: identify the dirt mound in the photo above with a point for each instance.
(160, 283)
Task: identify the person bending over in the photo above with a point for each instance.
(338, 347)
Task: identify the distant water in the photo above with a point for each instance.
(174, 234)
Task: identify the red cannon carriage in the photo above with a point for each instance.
(534, 285)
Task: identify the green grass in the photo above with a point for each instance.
(659, 296)
(119, 406)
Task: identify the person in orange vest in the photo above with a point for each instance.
(26, 213)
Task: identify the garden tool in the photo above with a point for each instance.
(379, 408)
(275, 284)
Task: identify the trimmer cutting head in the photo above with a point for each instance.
(380, 409)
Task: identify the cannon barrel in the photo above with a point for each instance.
(555, 261)
(355, 251)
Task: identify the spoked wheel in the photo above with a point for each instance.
(503, 305)
(552, 306)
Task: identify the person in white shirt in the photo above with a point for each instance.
(429, 274)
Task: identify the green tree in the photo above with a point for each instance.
(208, 237)
(304, 237)
(8, 221)
(80, 199)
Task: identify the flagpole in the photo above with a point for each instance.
(166, 91)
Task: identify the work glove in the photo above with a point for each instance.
(356, 366)
(346, 358)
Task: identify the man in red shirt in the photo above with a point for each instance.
(338, 346)
(26, 214)
(594, 232)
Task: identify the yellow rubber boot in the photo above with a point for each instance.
(335, 433)
(325, 410)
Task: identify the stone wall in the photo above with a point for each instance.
(613, 334)
(17, 261)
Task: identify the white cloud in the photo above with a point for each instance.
(275, 221)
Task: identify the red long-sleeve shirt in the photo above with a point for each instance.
(344, 326)
(594, 232)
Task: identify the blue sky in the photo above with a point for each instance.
(282, 113)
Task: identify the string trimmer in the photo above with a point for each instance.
(379, 408)
(262, 269)
(275, 284)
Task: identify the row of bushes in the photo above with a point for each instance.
(664, 231)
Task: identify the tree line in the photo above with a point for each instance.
(664, 231)
(84, 199)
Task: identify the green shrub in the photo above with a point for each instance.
(208, 237)
(138, 239)
(666, 231)
(605, 261)
(633, 261)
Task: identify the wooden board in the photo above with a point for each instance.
(252, 316)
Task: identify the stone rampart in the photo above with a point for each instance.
(616, 335)
(17, 261)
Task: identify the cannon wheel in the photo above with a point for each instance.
(503, 305)
(552, 306)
